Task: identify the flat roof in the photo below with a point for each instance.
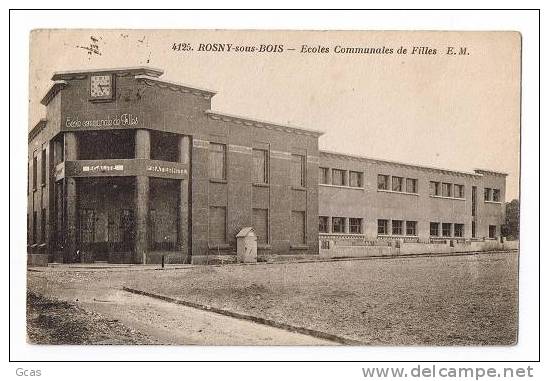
(176, 85)
(151, 71)
(408, 165)
(262, 123)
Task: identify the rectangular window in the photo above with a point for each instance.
(433, 229)
(34, 225)
(298, 171)
(323, 175)
(459, 191)
(473, 229)
(383, 182)
(383, 227)
(487, 194)
(338, 177)
(260, 166)
(261, 225)
(298, 228)
(217, 159)
(355, 225)
(43, 226)
(355, 179)
(43, 171)
(323, 224)
(446, 229)
(446, 190)
(495, 195)
(397, 227)
(397, 184)
(492, 231)
(411, 185)
(338, 224)
(34, 171)
(434, 188)
(217, 224)
(458, 230)
(411, 228)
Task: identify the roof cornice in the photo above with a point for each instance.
(490, 172)
(119, 72)
(175, 86)
(262, 124)
(397, 164)
(37, 129)
(52, 92)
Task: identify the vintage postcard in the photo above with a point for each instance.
(264, 187)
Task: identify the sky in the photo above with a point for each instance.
(457, 112)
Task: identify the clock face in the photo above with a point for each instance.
(101, 86)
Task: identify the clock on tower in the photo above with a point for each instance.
(101, 87)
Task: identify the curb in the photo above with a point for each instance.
(255, 319)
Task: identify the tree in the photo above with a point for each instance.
(512, 220)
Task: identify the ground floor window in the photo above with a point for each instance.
(492, 231)
(433, 229)
(43, 226)
(298, 227)
(473, 229)
(355, 225)
(411, 228)
(382, 226)
(322, 224)
(458, 230)
(338, 225)
(446, 230)
(397, 227)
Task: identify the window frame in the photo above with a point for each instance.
(334, 219)
(386, 179)
(435, 188)
(459, 191)
(496, 195)
(323, 173)
(431, 226)
(302, 182)
(359, 176)
(400, 182)
(265, 154)
(412, 224)
(323, 221)
(382, 224)
(448, 187)
(459, 233)
(397, 229)
(414, 182)
(358, 223)
(342, 171)
(223, 153)
(447, 225)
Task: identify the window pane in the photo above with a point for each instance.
(338, 225)
(383, 182)
(355, 225)
(434, 188)
(411, 185)
(298, 227)
(34, 171)
(487, 194)
(217, 224)
(259, 166)
(217, 161)
(411, 228)
(297, 171)
(446, 230)
(43, 167)
(355, 179)
(492, 231)
(382, 226)
(458, 230)
(433, 229)
(338, 177)
(397, 184)
(261, 225)
(322, 224)
(323, 175)
(458, 191)
(495, 195)
(397, 227)
(447, 190)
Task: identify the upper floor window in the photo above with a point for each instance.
(34, 171)
(260, 166)
(298, 170)
(487, 194)
(43, 171)
(411, 185)
(459, 191)
(446, 190)
(323, 224)
(383, 182)
(338, 177)
(397, 184)
(217, 159)
(434, 188)
(495, 195)
(323, 175)
(355, 179)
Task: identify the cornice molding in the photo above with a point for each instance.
(261, 124)
(174, 86)
(52, 92)
(119, 72)
(39, 127)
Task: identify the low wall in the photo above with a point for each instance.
(340, 250)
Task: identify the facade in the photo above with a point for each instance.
(127, 168)
(364, 198)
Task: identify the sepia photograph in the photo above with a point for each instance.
(273, 187)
